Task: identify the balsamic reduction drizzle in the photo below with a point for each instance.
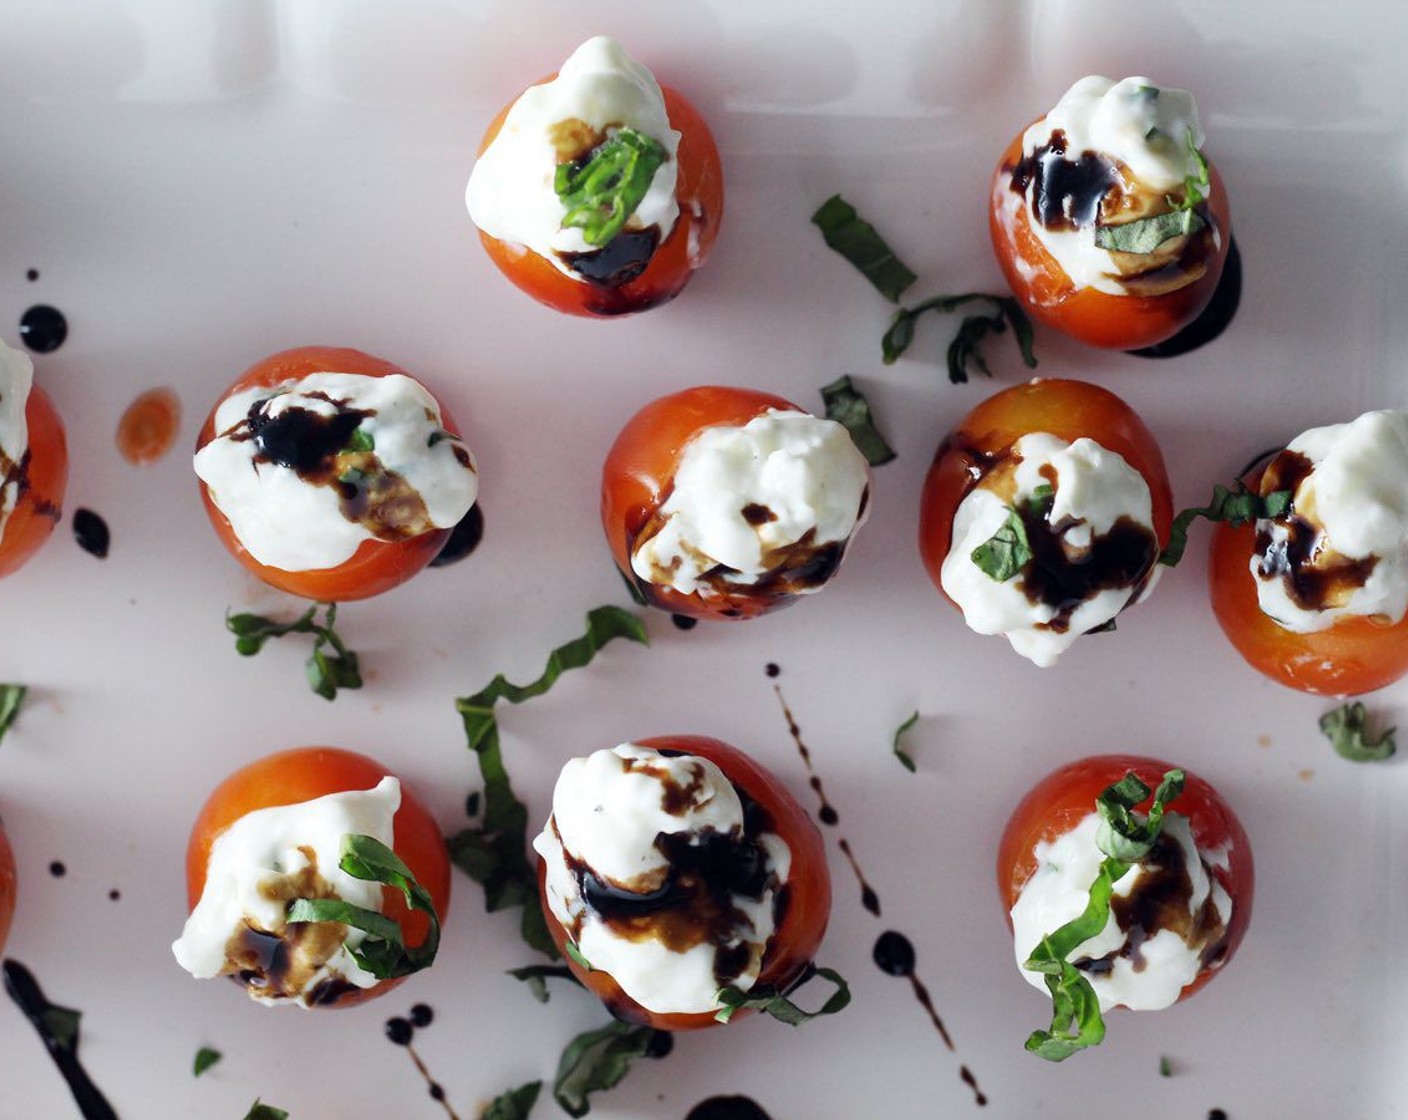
(619, 261)
(1215, 318)
(827, 813)
(43, 328)
(57, 869)
(684, 621)
(727, 1108)
(464, 538)
(400, 1030)
(32, 275)
(92, 533)
(1068, 192)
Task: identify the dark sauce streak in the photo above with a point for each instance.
(827, 812)
(868, 898)
(619, 261)
(1068, 193)
(43, 328)
(684, 622)
(400, 1030)
(979, 1097)
(894, 954)
(1215, 318)
(728, 1108)
(92, 533)
(1122, 558)
(464, 538)
(25, 991)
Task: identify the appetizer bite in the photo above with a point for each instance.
(33, 461)
(597, 191)
(331, 474)
(7, 886)
(676, 873)
(1114, 906)
(1108, 221)
(728, 503)
(1314, 591)
(313, 878)
(1044, 514)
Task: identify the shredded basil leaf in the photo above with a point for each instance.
(536, 976)
(261, 1111)
(11, 700)
(857, 240)
(1197, 185)
(327, 671)
(1147, 234)
(597, 1060)
(205, 1058)
(1347, 728)
(574, 954)
(1003, 555)
(845, 404)
(768, 999)
(1236, 506)
(900, 753)
(963, 351)
(603, 189)
(361, 440)
(516, 1104)
(1165, 1067)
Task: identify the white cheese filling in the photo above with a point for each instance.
(511, 196)
(608, 810)
(250, 860)
(287, 522)
(1094, 488)
(1059, 891)
(16, 381)
(1355, 500)
(742, 495)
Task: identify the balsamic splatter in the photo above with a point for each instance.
(464, 538)
(827, 812)
(422, 1015)
(400, 1030)
(32, 275)
(728, 1108)
(684, 622)
(57, 869)
(1215, 318)
(92, 533)
(43, 328)
(619, 261)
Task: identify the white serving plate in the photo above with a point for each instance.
(200, 184)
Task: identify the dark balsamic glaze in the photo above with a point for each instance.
(827, 812)
(894, 954)
(92, 533)
(756, 514)
(661, 1045)
(684, 622)
(43, 328)
(57, 869)
(32, 275)
(303, 440)
(400, 1030)
(114, 894)
(1068, 192)
(464, 538)
(1216, 1114)
(619, 261)
(25, 991)
(269, 962)
(868, 898)
(1120, 558)
(422, 1015)
(773, 669)
(1215, 318)
(727, 1108)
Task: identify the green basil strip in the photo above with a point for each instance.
(1004, 554)
(1236, 506)
(768, 999)
(361, 440)
(494, 852)
(602, 190)
(856, 240)
(1147, 234)
(205, 1058)
(327, 671)
(1197, 185)
(261, 1111)
(383, 953)
(900, 753)
(574, 954)
(11, 700)
(515, 1104)
(1347, 728)
(848, 407)
(536, 976)
(963, 351)
(597, 1060)
(1165, 1066)
(1076, 1022)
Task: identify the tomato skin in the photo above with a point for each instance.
(376, 566)
(37, 511)
(1066, 796)
(301, 774)
(1124, 322)
(795, 941)
(699, 191)
(1065, 409)
(7, 887)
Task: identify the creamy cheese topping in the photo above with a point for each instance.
(630, 825)
(16, 381)
(1344, 549)
(270, 857)
(747, 498)
(1096, 492)
(1146, 971)
(511, 196)
(301, 497)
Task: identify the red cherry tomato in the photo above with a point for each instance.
(37, 510)
(808, 890)
(377, 565)
(7, 887)
(699, 190)
(1068, 410)
(1062, 799)
(1119, 322)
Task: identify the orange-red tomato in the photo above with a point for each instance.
(1062, 799)
(293, 776)
(1120, 322)
(1068, 410)
(42, 492)
(806, 909)
(7, 886)
(699, 190)
(377, 565)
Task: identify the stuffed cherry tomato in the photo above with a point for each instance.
(676, 866)
(1108, 221)
(277, 833)
(1182, 885)
(33, 461)
(728, 503)
(1316, 597)
(597, 192)
(331, 474)
(7, 886)
(1044, 513)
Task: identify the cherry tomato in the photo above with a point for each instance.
(638, 477)
(808, 890)
(37, 510)
(293, 776)
(377, 565)
(1119, 322)
(7, 887)
(1062, 799)
(699, 190)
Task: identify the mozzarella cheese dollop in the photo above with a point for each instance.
(631, 826)
(753, 501)
(264, 861)
(1101, 516)
(302, 492)
(1144, 969)
(1343, 550)
(16, 381)
(600, 89)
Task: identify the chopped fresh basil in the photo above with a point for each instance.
(11, 700)
(1147, 234)
(382, 952)
(900, 753)
(1197, 185)
(205, 1058)
(1347, 728)
(261, 1111)
(845, 404)
(602, 190)
(1008, 550)
(516, 1104)
(1165, 1066)
(856, 240)
(327, 671)
(574, 954)
(494, 852)
(597, 1060)
(361, 441)
(1236, 506)
(963, 350)
(536, 976)
(771, 1001)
